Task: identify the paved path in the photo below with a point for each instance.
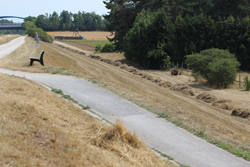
(9, 47)
(156, 132)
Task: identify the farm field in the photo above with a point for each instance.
(89, 35)
(214, 124)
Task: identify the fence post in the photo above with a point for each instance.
(182, 67)
(239, 80)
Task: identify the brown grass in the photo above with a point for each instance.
(215, 123)
(89, 35)
(37, 128)
(6, 38)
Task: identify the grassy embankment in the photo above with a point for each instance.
(37, 128)
(6, 38)
(215, 125)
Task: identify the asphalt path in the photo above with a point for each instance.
(156, 132)
(9, 47)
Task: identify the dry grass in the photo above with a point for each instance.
(89, 35)
(37, 128)
(215, 123)
(6, 38)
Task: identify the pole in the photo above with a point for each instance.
(239, 80)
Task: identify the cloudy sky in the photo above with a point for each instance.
(24, 8)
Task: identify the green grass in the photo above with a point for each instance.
(68, 97)
(62, 71)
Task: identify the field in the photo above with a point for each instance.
(147, 89)
(88, 35)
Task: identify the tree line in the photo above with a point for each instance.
(151, 31)
(68, 21)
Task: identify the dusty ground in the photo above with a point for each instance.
(186, 110)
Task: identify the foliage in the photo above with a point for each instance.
(98, 48)
(68, 21)
(122, 15)
(108, 48)
(42, 34)
(247, 83)
(218, 66)
(147, 42)
(29, 25)
(191, 26)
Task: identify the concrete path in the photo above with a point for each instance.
(156, 132)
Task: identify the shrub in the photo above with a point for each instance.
(108, 48)
(218, 67)
(98, 48)
(247, 83)
(42, 34)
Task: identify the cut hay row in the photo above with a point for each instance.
(73, 50)
(185, 89)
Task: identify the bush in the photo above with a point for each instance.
(42, 34)
(98, 48)
(108, 48)
(218, 67)
(247, 83)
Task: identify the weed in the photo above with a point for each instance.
(56, 72)
(84, 107)
(247, 83)
(57, 91)
(68, 97)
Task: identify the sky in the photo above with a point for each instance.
(25, 8)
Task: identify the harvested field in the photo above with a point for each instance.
(214, 122)
(89, 35)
